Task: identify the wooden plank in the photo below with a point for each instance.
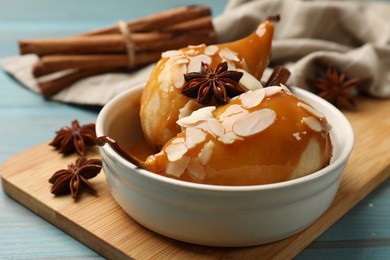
(98, 221)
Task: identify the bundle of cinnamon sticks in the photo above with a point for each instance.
(123, 47)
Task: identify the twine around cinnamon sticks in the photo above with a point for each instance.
(120, 47)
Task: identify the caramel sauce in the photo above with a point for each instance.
(267, 157)
(141, 150)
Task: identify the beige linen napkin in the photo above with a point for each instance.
(354, 36)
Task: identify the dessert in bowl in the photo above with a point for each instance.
(218, 215)
(220, 160)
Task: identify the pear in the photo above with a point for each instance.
(162, 102)
(260, 137)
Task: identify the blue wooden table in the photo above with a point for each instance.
(26, 120)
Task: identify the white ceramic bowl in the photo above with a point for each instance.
(218, 215)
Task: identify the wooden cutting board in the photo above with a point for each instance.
(100, 223)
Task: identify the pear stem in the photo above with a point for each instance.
(102, 140)
(273, 18)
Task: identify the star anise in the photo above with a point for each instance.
(74, 179)
(74, 138)
(335, 87)
(206, 84)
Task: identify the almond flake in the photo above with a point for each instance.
(252, 98)
(177, 168)
(231, 115)
(188, 108)
(312, 123)
(270, 91)
(195, 169)
(211, 50)
(206, 152)
(254, 122)
(229, 54)
(196, 116)
(194, 136)
(229, 138)
(182, 61)
(215, 127)
(175, 151)
(178, 71)
(311, 110)
(286, 89)
(231, 65)
(171, 53)
(325, 126)
(177, 140)
(191, 52)
(196, 62)
(248, 81)
(202, 45)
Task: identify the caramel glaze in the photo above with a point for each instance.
(161, 101)
(267, 157)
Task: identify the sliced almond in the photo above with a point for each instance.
(191, 52)
(188, 108)
(312, 123)
(194, 136)
(252, 98)
(325, 125)
(231, 65)
(286, 89)
(202, 45)
(177, 140)
(211, 50)
(182, 61)
(270, 91)
(178, 71)
(229, 138)
(229, 54)
(231, 115)
(177, 168)
(175, 151)
(196, 62)
(215, 127)
(171, 53)
(206, 152)
(196, 116)
(311, 110)
(195, 169)
(248, 81)
(254, 122)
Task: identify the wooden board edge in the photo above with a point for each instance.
(60, 221)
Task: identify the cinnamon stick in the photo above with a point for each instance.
(52, 87)
(159, 20)
(116, 44)
(149, 52)
(86, 45)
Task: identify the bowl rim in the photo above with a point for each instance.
(301, 93)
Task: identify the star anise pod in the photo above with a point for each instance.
(335, 87)
(206, 84)
(74, 179)
(74, 138)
